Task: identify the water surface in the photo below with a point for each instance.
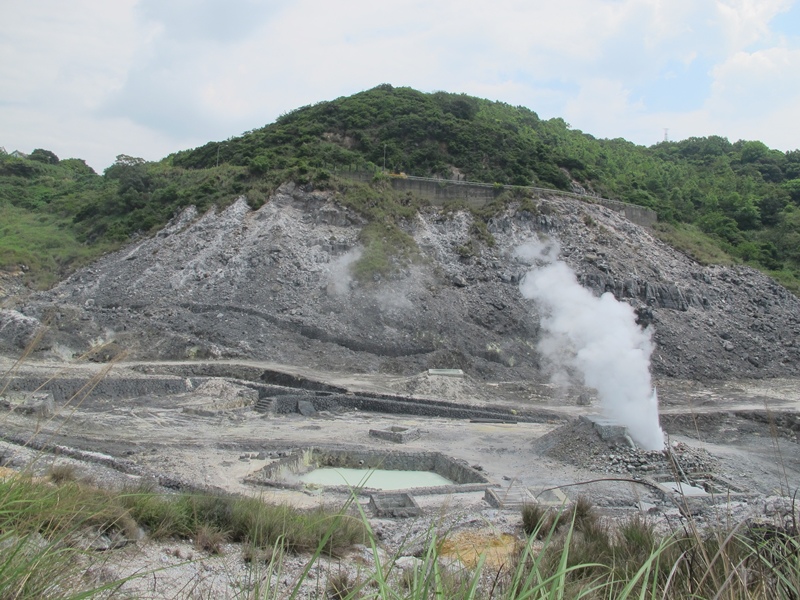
(380, 479)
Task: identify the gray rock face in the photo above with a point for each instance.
(306, 408)
(275, 284)
(16, 329)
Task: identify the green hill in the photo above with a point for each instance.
(717, 200)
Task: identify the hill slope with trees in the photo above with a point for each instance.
(717, 200)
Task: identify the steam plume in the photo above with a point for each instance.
(339, 277)
(597, 338)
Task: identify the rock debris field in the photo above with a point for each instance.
(239, 338)
(206, 433)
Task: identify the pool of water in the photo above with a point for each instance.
(684, 488)
(380, 479)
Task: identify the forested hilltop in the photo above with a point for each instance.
(716, 200)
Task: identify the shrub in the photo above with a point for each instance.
(533, 516)
(209, 539)
(341, 586)
(62, 473)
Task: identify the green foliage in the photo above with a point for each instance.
(41, 244)
(407, 130)
(56, 217)
(792, 186)
(259, 165)
(236, 519)
(386, 245)
(737, 197)
(386, 248)
(788, 279)
(693, 242)
(39, 523)
(590, 557)
(45, 156)
(720, 226)
(42, 526)
(734, 192)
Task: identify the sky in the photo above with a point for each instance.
(93, 79)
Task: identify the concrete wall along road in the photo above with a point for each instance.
(476, 195)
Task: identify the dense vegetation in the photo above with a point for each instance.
(715, 199)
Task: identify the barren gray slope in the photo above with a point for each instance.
(272, 284)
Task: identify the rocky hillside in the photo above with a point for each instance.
(275, 284)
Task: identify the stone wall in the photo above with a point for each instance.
(440, 192)
(408, 406)
(65, 388)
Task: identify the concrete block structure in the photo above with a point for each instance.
(394, 505)
(396, 434)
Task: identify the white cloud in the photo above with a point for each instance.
(747, 21)
(162, 76)
(57, 67)
(52, 55)
(96, 140)
(757, 96)
(751, 82)
(604, 107)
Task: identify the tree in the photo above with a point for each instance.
(123, 160)
(259, 165)
(771, 205)
(134, 180)
(787, 234)
(723, 227)
(793, 187)
(753, 151)
(43, 156)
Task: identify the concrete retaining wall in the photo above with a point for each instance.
(408, 406)
(65, 388)
(440, 191)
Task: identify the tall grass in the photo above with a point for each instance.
(44, 531)
(690, 240)
(243, 520)
(600, 561)
(43, 243)
(46, 524)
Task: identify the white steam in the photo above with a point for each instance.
(339, 277)
(597, 338)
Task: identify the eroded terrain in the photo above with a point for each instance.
(232, 340)
(201, 432)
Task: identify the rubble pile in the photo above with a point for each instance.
(578, 443)
(634, 461)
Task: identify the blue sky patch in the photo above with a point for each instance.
(678, 88)
(787, 23)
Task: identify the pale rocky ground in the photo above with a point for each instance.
(154, 437)
(235, 293)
